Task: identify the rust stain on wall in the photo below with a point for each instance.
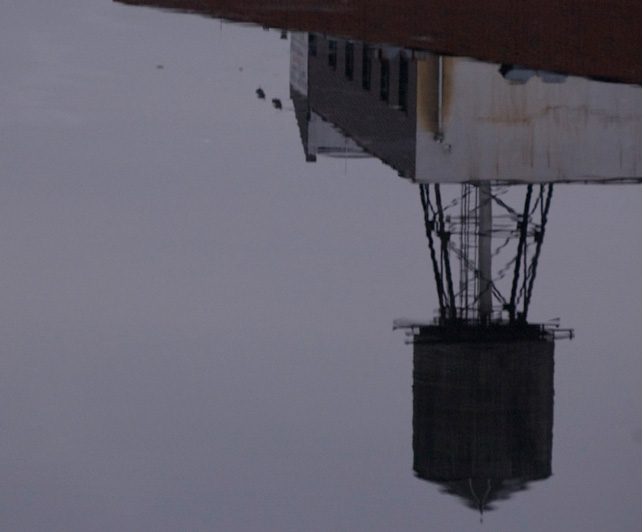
(429, 86)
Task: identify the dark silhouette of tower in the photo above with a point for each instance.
(483, 375)
(482, 413)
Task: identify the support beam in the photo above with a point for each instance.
(484, 259)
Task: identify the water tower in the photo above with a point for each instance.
(483, 375)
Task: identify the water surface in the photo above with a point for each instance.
(197, 323)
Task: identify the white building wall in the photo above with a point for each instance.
(577, 130)
(299, 62)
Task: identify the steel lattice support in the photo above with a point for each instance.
(463, 229)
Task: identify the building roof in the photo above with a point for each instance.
(597, 39)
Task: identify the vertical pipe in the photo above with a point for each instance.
(485, 210)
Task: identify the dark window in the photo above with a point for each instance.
(403, 82)
(349, 60)
(384, 81)
(366, 67)
(332, 54)
(312, 44)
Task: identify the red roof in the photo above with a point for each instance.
(599, 38)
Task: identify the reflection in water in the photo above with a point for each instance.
(181, 305)
(482, 412)
(573, 36)
(450, 120)
(468, 233)
(483, 375)
(354, 98)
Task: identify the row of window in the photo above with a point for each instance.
(366, 68)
